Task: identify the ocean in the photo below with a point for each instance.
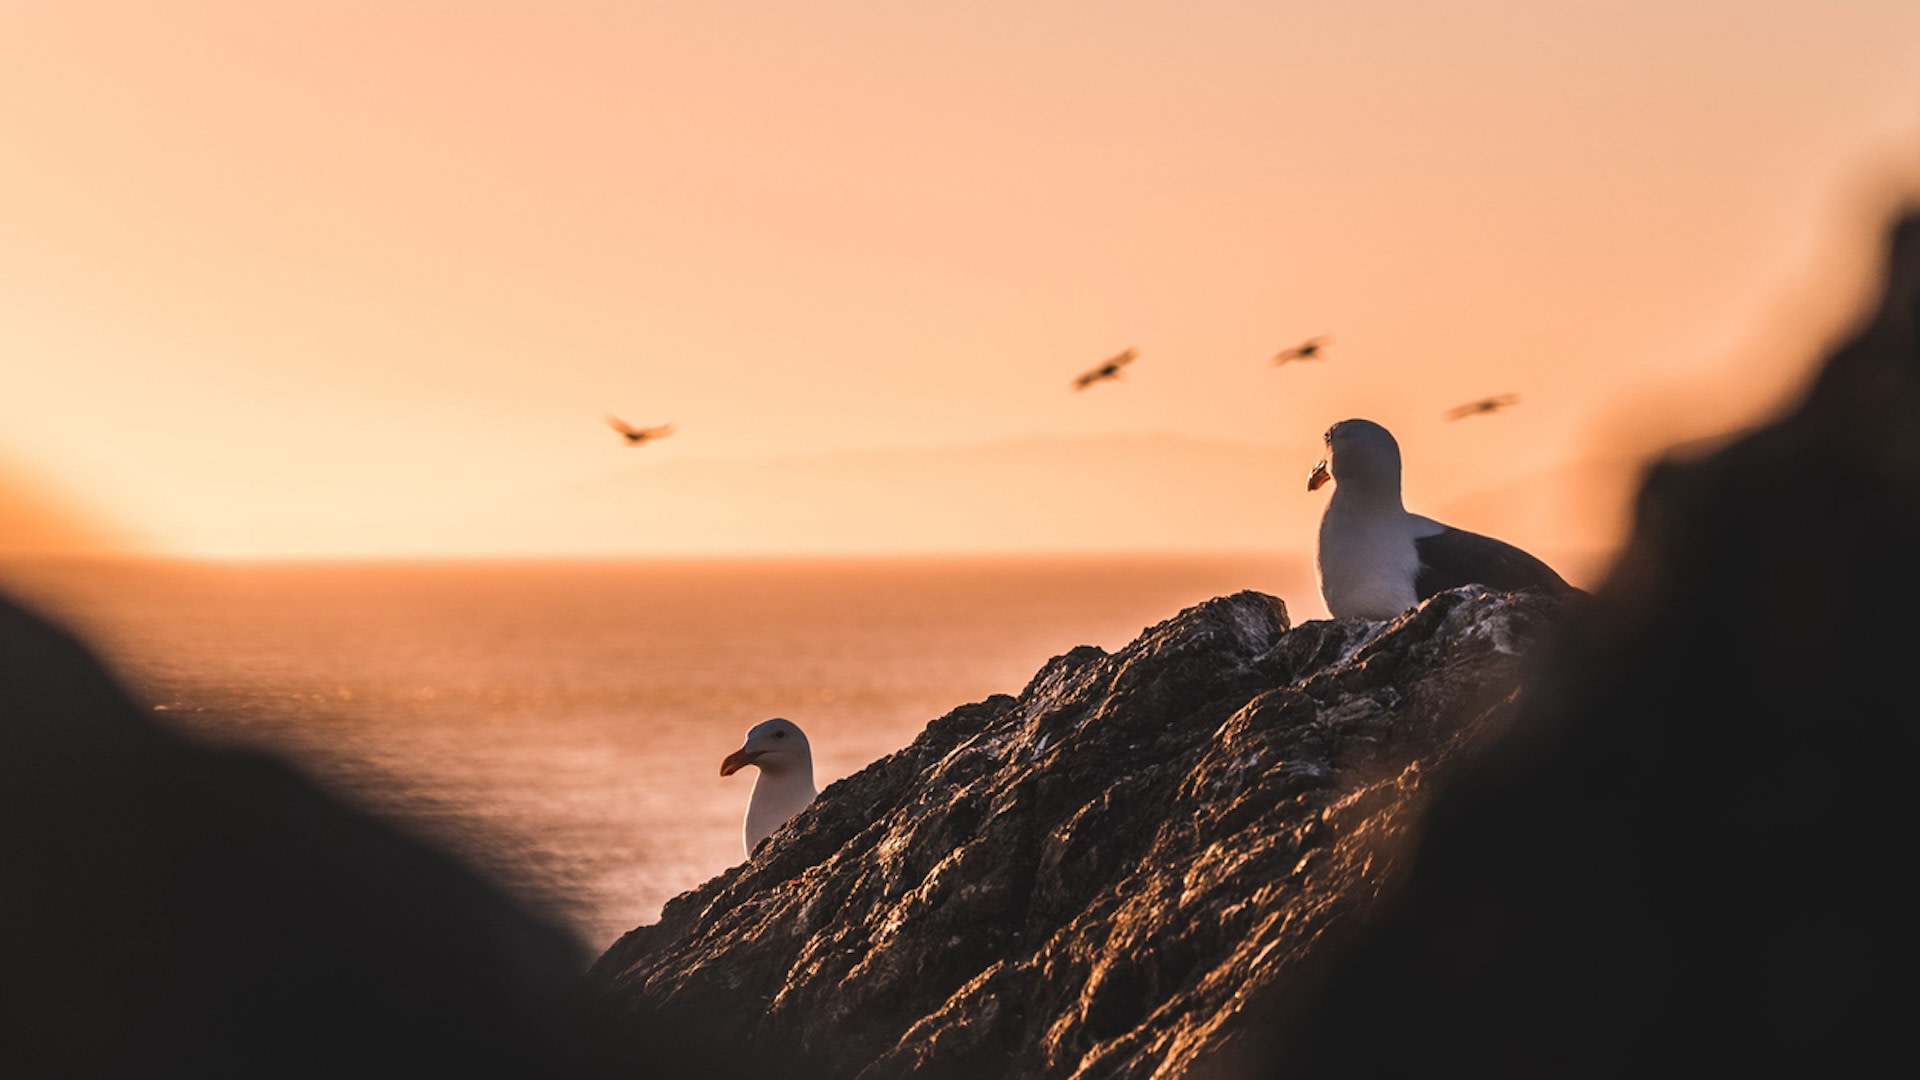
(560, 726)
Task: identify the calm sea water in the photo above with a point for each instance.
(560, 725)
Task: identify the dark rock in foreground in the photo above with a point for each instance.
(168, 909)
(1098, 877)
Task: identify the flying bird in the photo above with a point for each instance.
(1484, 405)
(637, 435)
(1376, 560)
(1306, 350)
(1108, 370)
(778, 748)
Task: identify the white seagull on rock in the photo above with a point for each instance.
(778, 748)
(1376, 560)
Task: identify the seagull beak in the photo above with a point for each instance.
(1318, 476)
(736, 761)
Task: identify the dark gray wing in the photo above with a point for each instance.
(1454, 557)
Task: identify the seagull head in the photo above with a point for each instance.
(1360, 453)
(773, 746)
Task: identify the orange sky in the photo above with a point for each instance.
(333, 278)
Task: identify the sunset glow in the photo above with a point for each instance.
(318, 279)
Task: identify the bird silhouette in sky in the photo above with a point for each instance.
(1484, 405)
(1108, 370)
(1306, 350)
(637, 435)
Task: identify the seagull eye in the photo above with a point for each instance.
(779, 734)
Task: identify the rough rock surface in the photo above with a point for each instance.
(1095, 878)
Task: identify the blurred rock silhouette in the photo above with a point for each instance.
(1690, 855)
(167, 909)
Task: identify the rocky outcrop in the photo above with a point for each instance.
(1104, 875)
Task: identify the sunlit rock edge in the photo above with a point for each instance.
(1100, 875)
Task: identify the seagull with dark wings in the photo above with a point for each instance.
(1108, 370)
(1306, 350)
(637, 435)
(1484, 405)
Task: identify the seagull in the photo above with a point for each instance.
(637, 435)
(778, 748)
(1306, 350)
(1108, 370)
(1484, 405)
(1376, 560)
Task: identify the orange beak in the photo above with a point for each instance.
(736, 761)
(1318, 476)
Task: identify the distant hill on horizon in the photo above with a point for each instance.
(1141, 493)
(35, 521)
(1130, 493)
